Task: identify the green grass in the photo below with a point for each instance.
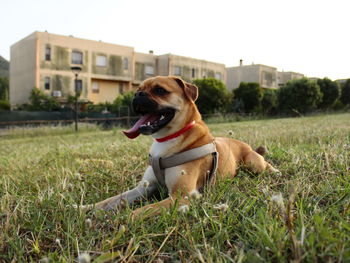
(44, 171)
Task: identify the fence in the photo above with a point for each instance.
(106, 120)
(35, 118)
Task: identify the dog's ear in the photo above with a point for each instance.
(191, 90)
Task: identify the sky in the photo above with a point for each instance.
(307, 36)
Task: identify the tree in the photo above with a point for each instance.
(330, 90)
(39, 101)
(345, 93)
(4, 89)
(300, 95)
(250, 94)
(124, 100)
(4, 105)
(269, 101)
(213, 96)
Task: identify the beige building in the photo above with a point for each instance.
(190, 68)
(44, 61)
(283, 77)
(266, 76)
(145, 67)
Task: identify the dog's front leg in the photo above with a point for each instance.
(145, 188)
(156, 208)
(180, 185)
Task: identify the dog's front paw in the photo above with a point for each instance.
(275, 171)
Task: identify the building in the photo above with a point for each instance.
(266, 76)
(44, 61)
(189, 68)
(284, 77)
(145, 67)
(341, 81)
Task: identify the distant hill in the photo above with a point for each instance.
(4, 67)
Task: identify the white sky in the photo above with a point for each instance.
(310, 36)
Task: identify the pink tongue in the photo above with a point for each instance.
(134, 131)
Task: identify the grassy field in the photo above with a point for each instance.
(301, 215)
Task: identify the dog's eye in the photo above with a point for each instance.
(160, 91)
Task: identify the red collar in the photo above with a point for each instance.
(178, 133)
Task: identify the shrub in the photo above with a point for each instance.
(4, 89)
(300, 95)
(213, 96)
(345, 93)
(4, 105)
(331, 92)
(250, 95)
(90, 107)
(39, 101)
(123, 101)
(269, 101)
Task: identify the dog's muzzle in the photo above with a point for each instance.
(153, 116)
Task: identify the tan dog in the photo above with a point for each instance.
(170, 116)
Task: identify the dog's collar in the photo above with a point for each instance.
(178, 133)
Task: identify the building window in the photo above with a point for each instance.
(125, 63)
(218, 75)
(121, 88)
(57, 93)
(78, 85)
(47, 83)
(101, 61)
(149, 70)
(269, 79)
(77, 57)
(95, 87)
(177, 71)
(193, 73)
(48, 53)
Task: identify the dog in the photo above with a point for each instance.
(184, 156)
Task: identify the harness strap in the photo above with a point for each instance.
(160, 164)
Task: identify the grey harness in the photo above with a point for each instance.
(160, 164)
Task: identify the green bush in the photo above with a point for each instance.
(39, 101)
(299, 96)
(213, 96)
(269, 101)
(249, 94)
(345, 93)
(122, 102)
(4, 89)
(4, 105)
(90, 107)
(331, 92)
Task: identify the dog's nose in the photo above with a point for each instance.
(140, 94)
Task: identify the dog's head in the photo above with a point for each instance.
(162, 103)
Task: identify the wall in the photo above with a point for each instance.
(22, 69)
(109, 90)
(268, 77)
(236, 75)
(141, 61)
(58, 69)
(202, 68)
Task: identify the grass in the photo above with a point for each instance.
(46, 170)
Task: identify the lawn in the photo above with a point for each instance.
(302, 214)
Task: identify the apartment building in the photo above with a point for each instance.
(266, 76)
(283, 77)
(44, 60)
(145, 67)
(190, 68)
